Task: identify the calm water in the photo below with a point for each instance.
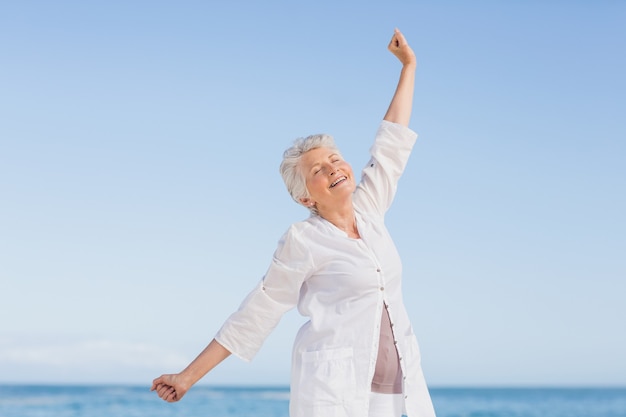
(121, 401)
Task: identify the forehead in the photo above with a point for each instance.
(316, 156)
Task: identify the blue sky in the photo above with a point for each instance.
(140, 195)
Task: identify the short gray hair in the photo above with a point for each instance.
(290, 168)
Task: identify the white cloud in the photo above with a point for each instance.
(95, 360)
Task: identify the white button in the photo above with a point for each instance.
(382, 288)
(377, 269)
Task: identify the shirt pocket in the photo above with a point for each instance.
(328, 377)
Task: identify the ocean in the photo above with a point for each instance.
(131, 401)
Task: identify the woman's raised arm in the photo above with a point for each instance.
(402, 103)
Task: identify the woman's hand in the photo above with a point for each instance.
(401, 49)
(170, 387)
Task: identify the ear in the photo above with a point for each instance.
(307, 202)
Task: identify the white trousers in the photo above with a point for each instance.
(386, 405)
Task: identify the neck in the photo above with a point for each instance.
(343, 218)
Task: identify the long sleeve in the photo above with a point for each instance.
(389, 156)
(244, 331)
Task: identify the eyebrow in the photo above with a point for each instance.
(316, 164)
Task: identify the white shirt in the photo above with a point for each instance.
(342, 285)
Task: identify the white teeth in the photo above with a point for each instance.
(337, 181)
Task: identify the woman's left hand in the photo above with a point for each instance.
(401, 49)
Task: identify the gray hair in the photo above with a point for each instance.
(290, 168)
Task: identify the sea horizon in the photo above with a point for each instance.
(230, 400)
(286, 385)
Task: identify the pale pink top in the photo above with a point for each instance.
(387, 375)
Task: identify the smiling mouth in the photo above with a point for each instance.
(338, 181)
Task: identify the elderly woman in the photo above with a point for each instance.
(357, 355)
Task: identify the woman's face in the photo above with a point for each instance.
(329, 178)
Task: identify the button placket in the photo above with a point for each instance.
(395, 339)
(381, 286)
